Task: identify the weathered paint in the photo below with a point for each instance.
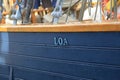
(87, 56)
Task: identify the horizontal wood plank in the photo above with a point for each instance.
(69, 27)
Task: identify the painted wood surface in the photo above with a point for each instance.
(44, 56)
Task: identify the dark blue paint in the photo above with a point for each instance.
(36, 4)
(3, 77)
(4, 72)
(72, 54)
(86, 56)
(105, 39)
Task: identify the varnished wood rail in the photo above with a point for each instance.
(69, 27)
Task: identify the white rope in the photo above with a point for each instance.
(1, 9)
(57, 12)
(0, 15)
(18, 14)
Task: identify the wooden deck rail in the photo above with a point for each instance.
(69, 27)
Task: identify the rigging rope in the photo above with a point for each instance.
(29, 6)
(1, 9)
(57, 12)
(18, 14)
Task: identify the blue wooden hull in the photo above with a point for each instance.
(60, 56)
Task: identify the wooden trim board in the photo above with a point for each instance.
(69, 27)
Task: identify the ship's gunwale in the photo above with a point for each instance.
(68, 27)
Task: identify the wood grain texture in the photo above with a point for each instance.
(69, 27)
